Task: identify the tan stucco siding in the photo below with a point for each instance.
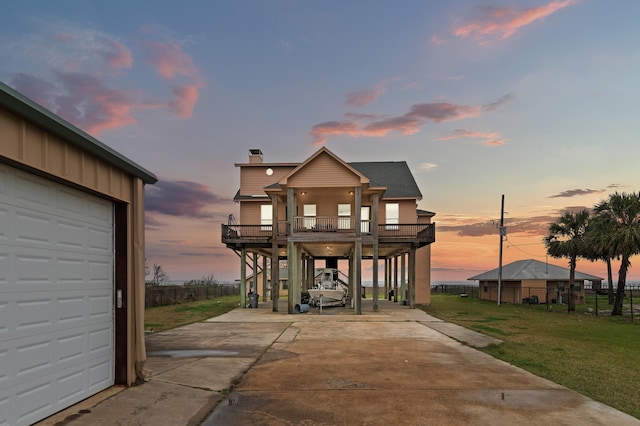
(535, 288)
(423, 275)
(253, 180)
(24, 143)
(323, 171)
(250, 212)
(407, 210)
(326, 200)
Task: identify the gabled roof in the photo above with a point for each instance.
(531, 269)
(325, 151)
(24, 107)
(394, 175)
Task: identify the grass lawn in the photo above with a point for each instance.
(596, 356)
(166, 317)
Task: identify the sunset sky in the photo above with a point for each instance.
(536, 100)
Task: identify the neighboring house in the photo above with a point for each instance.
(530, 280)
(325, 209)
(71, 263)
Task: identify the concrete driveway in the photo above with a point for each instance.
(397, 366)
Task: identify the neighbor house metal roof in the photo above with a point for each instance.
(394, 175)
(20, 105)
(531, 269)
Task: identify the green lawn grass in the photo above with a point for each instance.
(170, 316)
(596, 356)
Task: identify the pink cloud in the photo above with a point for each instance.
(502, 23)
(76, 71)
(366, 96)
(119, 56)
(406, 124)
(93, 106)
(491, 139)
(80, 99)
(85, 50)
(169, 60)
(443, 111)
(320, 132)
(171, 63)
(436, 39)
(184, 100)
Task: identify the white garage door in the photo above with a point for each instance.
(56, 296)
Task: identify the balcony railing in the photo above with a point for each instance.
(420, 232)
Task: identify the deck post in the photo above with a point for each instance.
(311, 271)
(358, 251)
(275, 260)
(376, 252)
(403, 282)
(395, 279)
(264, 278)
(412, 278)
(293, 260)
(254, 281)
(243, 277)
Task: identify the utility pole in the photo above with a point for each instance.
(503, 232)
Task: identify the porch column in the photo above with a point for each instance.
(311, 271)
(275, 261)
(293, 258)
(376, 251)
(264, 278)
(403, 282)
(358, 252)
(254, 281)
(243, 277)
(303, 271)
(352, 284)
(395, 279)
(412, 278)
(387, 277)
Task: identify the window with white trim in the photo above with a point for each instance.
(309, 212)
(266, 217)
(392, 215)
(344, 216)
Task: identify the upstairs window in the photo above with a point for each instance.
(392, 214)
(266, 217)
(309, 212)
(344, 216)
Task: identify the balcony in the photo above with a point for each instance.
(328, 228)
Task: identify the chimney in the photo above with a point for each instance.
(255, 156)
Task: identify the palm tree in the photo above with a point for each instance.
(623, 239)
(566, 239)
(596, 249)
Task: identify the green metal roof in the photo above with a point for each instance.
(20, 105)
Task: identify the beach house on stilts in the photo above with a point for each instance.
(323, 211)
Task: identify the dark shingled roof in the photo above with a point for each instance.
(395, 175)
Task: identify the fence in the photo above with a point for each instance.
(465, 290)
(170, 295)
(589, 301)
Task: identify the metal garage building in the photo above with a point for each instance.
(71, 263)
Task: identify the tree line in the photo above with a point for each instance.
(610, 231)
